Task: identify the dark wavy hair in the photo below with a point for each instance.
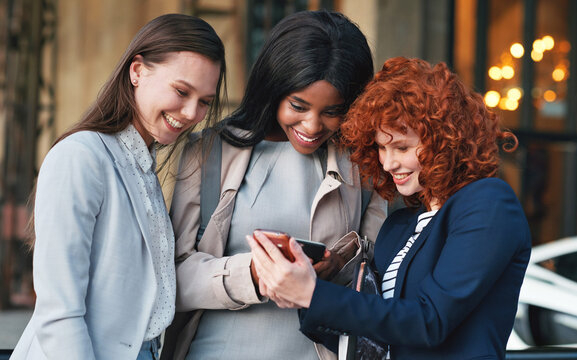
(303, 48)
(459, 136)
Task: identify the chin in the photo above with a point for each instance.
(166, 140)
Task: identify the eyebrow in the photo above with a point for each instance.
(392, 142)
(336, 106)
(190, 86)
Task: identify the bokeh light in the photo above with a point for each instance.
(549, 96)
(548, 42)
(536, 55)
(508, 72)
(514, 93)
(539, 46)
(517, 50)
(558, 74)
(492, 98)
(495, 73)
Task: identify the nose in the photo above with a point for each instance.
(388, 160)
(190, 109)
(313, 124)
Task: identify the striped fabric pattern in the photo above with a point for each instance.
(390, 276)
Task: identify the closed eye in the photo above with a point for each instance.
(206, 102)
(334, 113)
(296, 107)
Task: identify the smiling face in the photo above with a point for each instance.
(172, 96)
(309, 117)
(398, 155)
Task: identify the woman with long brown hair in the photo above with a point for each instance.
(104, 246)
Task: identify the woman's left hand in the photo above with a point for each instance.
(288, 284)
(329, 265)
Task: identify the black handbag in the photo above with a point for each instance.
(365, 279)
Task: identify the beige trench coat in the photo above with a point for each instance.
(208, 280)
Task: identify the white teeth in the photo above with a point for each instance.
(310, 140)
(400, 176)
(174, 123)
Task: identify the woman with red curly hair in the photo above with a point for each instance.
(451, 262)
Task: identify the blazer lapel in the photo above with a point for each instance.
(389, 244)
(421, 239)
(117, 154)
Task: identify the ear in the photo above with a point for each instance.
(136, 68)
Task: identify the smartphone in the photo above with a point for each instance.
(313, 249)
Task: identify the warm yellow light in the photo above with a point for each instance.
(517, 50)
(536, 55)
(539, 46)
(549, 96)
(511, 104)
(514, 93)
(508, 72)
(495, 73)
(503, 103)
(492, 98)
(565, 46)
(558, 74)
(548, 42)
(505, 58)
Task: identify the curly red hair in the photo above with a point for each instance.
(459, 135)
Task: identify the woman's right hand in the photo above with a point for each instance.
(289, 284)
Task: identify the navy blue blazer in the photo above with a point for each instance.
(456, 291)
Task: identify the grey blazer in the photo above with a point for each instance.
(93, 271)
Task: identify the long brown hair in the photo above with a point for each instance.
(115, 107)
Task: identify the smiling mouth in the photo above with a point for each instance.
(172, 122)
(400, 176)
(401, 179)
(305, 138)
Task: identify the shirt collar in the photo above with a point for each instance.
(339, 165)
(134, 144)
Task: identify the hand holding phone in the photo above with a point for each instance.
(313, 249)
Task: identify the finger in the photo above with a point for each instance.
(260, 259)
(323, 269)
(264, 290)
(283, 304)
(321, 265)
(255, 246)
(298, 252)
(272, 250)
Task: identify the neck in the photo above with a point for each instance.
(148, 139)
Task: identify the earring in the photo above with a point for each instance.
(135, 82)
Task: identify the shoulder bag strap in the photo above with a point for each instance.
(210, 179)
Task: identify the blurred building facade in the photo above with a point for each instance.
(520, 54)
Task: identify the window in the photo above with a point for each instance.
(524, 64)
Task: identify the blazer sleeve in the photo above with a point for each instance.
(482, 239)
(68, 198)
(205, 280)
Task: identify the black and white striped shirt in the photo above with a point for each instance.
(390, 276)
